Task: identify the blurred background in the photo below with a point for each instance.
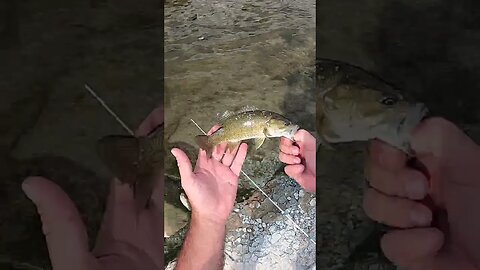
(428, 49)
(49, 123)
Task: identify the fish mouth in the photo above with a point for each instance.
(293, 130)
(415, 114)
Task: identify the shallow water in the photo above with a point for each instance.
(221, 55)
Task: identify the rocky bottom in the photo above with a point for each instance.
(261, 237)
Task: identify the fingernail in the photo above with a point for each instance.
(295, 151)
(416, 189)
(419, 217)
(27, 189)
(297, 160)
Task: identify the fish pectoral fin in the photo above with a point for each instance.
(232, 145)
(259, 142)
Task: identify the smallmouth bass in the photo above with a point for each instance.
(248, 123)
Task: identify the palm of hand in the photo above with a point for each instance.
(211, 189)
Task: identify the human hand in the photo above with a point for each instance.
(124, 242)
(291, 154)
(212, 187)
(453, 163)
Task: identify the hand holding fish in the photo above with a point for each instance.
(453, 163)
(292, 155)
(124, 242)
(211, 189)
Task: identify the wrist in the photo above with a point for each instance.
(204, 221)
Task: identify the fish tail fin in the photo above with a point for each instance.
(203, 142)
(123, 157)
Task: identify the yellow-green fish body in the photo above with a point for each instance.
(245, 125)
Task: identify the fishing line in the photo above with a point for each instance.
(265, 194)
(99, 99)
(104, 105)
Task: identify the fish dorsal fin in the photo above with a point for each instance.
(247, 108)
(224, 115)
(327, 85)
(133, 162)
(228, 113)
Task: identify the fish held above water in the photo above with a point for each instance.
(353, 105)
(136, 161)
(248, 123)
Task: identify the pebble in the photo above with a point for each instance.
(289, 198)
(313, 202)
(276, 237)
(301, 193)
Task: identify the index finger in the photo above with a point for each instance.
(285, 141)
(239, 159)
(213, 129)
(387, 156)
(153, 120)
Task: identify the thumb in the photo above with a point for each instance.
(439, 137)
(65, 233)
(295, 172)
(305, 180)
(183, 162)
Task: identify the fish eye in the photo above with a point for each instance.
(389, 101)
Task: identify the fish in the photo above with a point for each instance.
(246, 124)
(355, 105)
(136, 161)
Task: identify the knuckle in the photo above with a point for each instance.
(370, 204)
